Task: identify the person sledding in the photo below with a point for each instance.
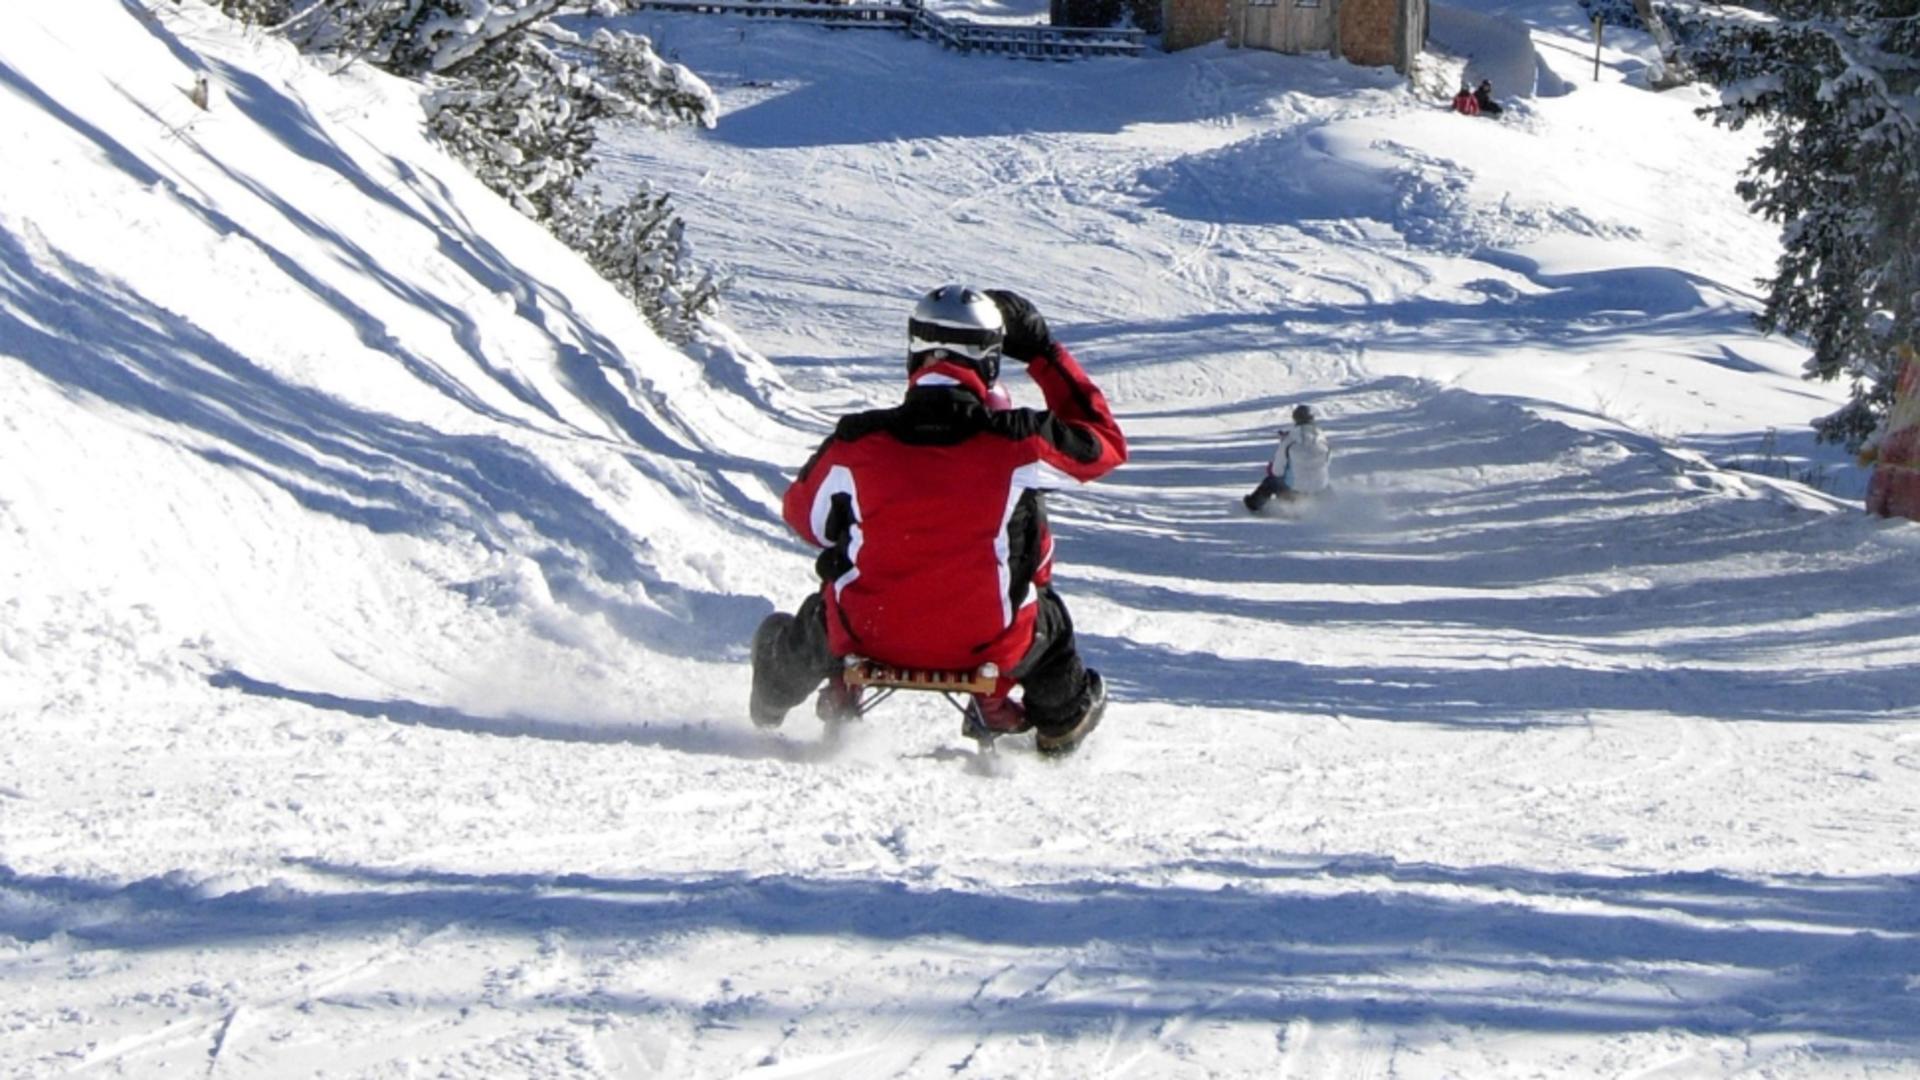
(1484, 104)
(935, 551)
(1299, 465)
(1465, 103)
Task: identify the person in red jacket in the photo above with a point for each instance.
(935, 551)
(1464, 102)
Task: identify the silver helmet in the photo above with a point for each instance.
(956, 322)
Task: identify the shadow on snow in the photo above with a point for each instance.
(692, 737)
(85, 332)
(1676, 588)
(1484, 947)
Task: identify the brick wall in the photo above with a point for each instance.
(1368, 31)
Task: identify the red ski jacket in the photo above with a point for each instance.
(930, 514)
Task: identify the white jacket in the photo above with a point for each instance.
(1301, 459)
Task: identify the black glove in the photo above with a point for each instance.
(1027, 333)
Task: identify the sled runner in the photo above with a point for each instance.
(864, 684)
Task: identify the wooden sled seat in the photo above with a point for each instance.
(862, 673)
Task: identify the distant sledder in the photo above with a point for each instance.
(1478, 101)
(1299, 465)
(936, 560)
(1484, 102)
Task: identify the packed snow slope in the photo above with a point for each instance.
(374, 585)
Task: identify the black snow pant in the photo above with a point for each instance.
(1269, 487)
(1053, 680)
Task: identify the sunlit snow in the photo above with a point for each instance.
(374, 584)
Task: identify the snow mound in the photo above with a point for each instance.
(1495, 47)
(1326, 176)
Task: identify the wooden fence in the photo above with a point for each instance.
(1034, 42)
(1012, 39)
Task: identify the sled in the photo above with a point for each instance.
(868, 683)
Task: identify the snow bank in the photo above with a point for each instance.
(1496, 47)
(407, 408)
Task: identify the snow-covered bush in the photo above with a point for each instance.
(1837, 84)
(640, 246)
(1614, 13)
(517, 97)
(257, 12)
(513, 118)
(1632, 14)
(1667, 25)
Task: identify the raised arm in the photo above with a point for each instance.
(1085, 438)
(1079, 437)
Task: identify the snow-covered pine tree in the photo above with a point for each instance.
(257, 12)
(512, 116)
(523, 113)
(412, 37)
(641, 247)
(517, 97)
(1838, 84)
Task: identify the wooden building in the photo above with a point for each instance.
(1373, 32)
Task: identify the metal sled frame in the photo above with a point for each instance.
(874, 683)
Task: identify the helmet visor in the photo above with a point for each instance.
(972, 342)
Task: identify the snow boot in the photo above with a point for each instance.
(760, 705)
(1059, 741)
(1002, 715)
(837, 702)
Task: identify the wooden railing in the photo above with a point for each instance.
(1037, 42)
(1013, 39)
(893, 16)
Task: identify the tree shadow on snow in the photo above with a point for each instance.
(85, 332)
(1521, 695)
(1343, 941)
(383, 473)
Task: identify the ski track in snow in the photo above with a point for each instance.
(1551, 745)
